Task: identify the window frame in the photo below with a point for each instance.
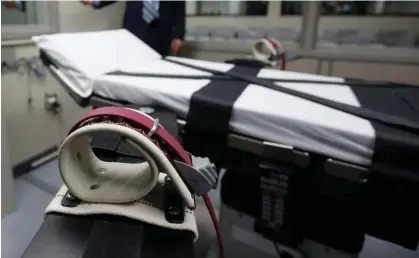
(26, 31)
(198, 9)
(384, 14)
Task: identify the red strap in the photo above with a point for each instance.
(273, 42)
(138, 118)
(282, 55)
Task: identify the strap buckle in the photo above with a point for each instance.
(201, 176)
(154, 128)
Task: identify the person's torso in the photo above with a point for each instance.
(134, 22)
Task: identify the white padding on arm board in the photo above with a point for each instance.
(148, 209)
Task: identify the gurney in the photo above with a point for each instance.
(304, 169)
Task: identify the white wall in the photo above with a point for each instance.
(14, 16)
(8, 203)
(74, 16)
(30, 128)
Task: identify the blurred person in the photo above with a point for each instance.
(14, 5)
(331, 7)
(9, 4)
(160, 24)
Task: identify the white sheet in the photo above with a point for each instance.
(258, 112)
(84, 56)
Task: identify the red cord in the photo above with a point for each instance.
(283, 62)
(283, 58)
(211, 211)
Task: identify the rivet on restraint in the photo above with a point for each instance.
(213, 167)
(101, 170)
(173, 211)
(94, 187)
(70, 197)
(154, 128)
(147, 110)
(70, 200)
(363, 178)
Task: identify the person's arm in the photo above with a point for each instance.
(97, 4)
(178, 28)
(9, 4)
(179, 17)
(18, 4)
(21, 5)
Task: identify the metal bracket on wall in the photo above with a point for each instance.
(52, 103)
(320, 66)
(7, 56)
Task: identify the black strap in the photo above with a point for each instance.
(386, 119)
(121, 237)
(210, 110)
(162, 242)
(412, 100)
(393, 172)
(114, 238)
(352, 82)
(394, 148)
(247, 62)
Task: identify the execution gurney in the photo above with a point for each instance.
(296, 168)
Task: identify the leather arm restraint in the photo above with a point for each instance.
(110, 183)
(269, 51)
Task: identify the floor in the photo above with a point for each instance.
(36, 189)
(33, 191)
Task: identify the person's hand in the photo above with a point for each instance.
(87, 2)
(175, 45)
(9, 4)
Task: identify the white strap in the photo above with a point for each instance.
(148, 210)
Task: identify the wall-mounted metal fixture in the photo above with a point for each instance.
(52, 103)
(32, 66)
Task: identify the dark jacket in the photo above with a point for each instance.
(171, 23)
